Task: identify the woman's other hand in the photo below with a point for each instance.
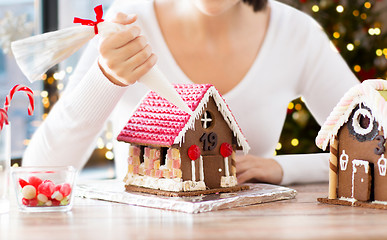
(256, 169)
(125, 56)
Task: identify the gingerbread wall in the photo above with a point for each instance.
(212, 159)
(361, 151)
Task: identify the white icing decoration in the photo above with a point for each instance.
(358, 163)
(172, 185)
(229, 181)
(226, 169)
(226, 113)
(193, 170)
(201, 168)
(193, 186)
(205, 120)
(343, 161)
(352, 200)
(356, 124)
(380, 202)
(382, 165)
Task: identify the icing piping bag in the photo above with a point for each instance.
(36, 54)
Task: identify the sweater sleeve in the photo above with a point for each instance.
(304, 168)
(324, 80)
(68, 134)
(325, 76)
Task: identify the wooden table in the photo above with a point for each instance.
(300, 218)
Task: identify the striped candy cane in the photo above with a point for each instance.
(3, 118)
(18, 88)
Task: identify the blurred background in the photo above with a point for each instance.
(358, 29)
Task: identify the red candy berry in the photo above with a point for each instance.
(225, 149)
(33, 202)
(194, 152)
(65, 189)
(47, 188)
(57, 187)
(25, 201)
(23, 183)
(55, 202)
(35, 181)
(30, 202)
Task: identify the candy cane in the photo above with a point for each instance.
(3, 118)
(18, 88)
(3, 111)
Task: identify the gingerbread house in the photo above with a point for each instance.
(356, 133)
(173, 151)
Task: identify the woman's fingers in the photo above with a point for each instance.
(126, 56)
(256, 169)
(119, 39)
(125, 19)
(145, 67)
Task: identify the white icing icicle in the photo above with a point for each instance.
(226, 168)
(193, 171)
(201, 168)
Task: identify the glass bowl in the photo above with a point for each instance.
(44, 189)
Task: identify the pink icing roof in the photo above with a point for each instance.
(156, 121)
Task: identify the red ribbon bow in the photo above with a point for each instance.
(98, 12)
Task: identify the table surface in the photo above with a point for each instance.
(299, 218)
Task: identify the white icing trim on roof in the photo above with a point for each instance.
(223, 109)
(366, 93)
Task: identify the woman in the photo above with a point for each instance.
(260, 55)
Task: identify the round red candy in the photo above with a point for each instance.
(55, 202)
(65, 189)
(225, 149)
(34, 181)
(194, 152)
(46, 188)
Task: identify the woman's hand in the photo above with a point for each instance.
(125, 56)
(256, 169)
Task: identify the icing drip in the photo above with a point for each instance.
(201, 168)
(193, 171)
(226, 168)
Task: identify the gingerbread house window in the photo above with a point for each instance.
(207, 120)
(362, 124)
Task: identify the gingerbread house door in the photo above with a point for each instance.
(361, 180)
(213, 170)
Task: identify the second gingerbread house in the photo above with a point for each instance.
(356, 131)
